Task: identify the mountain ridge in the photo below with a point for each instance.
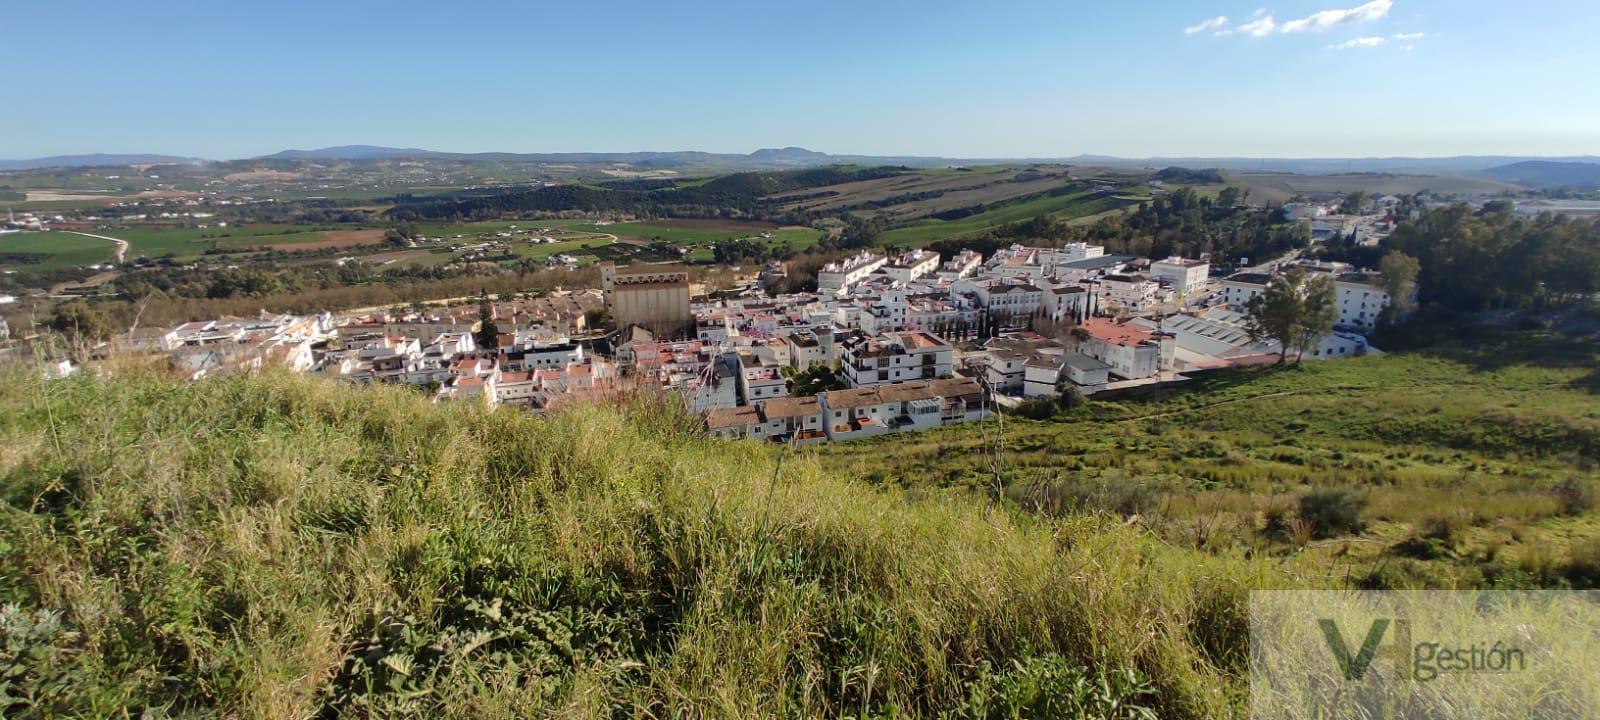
(799, 157)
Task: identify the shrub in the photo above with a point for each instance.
(1576, 496)
(1071, 397)
(1582, 566)
(1037, 409)
(1333, 511)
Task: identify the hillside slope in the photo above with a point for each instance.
(1546, 174)
(277, 546)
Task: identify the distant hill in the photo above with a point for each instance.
(1545, 173)
(96, 160)
(790, 155)
(763, 159)
(350, 152)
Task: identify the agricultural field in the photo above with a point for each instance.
(1279, 187)
(1465, 465)
(1070, 206)
(191, 243)
(51, 250)
(911, 196)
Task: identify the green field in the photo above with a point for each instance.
(191, 243)
(793, 238)
(1476, 461)
(53, 249)
(923, 232)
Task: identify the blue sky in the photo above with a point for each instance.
(1324, 78)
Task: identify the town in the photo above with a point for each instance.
(835, 360)
(889, 342)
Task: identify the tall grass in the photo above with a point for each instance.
(276, 546)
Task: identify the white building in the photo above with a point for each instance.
(962, 265)
(1239, 288)
(1183, 276)
(895, 357)
(912, 265)
(837, 277)
(1360, 301)
(1133, 352)
(1133, 292)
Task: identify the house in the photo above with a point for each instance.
(918, 405)
(760, 378)
(735, 423)
(792, 419)
(1133, 352)
(1040, 375)
(808, 348)
(856, 413)
(516, 389)
(1086, 372)
(895, 357)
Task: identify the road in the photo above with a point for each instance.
(118, 255)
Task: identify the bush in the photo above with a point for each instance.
(1576, 496)
(1333, 511)
(1037, 409)
(1582, 566)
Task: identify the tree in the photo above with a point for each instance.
(488, 335)
(80, 321)
(1295, 310)
(1318, 314)
(816, 379)
(1397, 272)
(1228, 198)
(1353, 203)
(1070, 397)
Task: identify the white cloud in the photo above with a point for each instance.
(1410, 36)
(1360, 42)
(1328, 18)
(1205, 25)
(1263, 24)
(1260, 27)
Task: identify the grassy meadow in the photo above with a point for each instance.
(1469, 465)
(278, 546)
(51, 250)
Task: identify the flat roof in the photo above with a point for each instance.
(1083, 363)
(1098, 263)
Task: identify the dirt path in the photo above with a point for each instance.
(116, 255)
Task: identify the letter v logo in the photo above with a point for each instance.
(1354, 668)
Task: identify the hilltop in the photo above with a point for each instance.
(277, 546)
